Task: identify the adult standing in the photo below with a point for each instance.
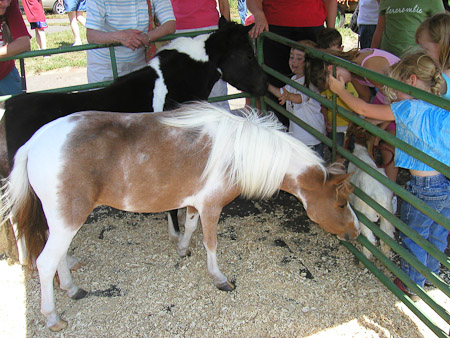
(130, 23)
(14, 40)
(36, 17)
(195, 15)
(75, 9)
(398, 21)
(294, 19)
(367, 21)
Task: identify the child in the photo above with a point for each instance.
(36, 17)
(299, 104)
(433, 36)
(379, 61)
(330, 38)
(426, 127)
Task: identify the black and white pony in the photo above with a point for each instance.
(184, 70)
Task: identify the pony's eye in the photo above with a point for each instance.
(342, 206)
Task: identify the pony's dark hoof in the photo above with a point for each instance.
(186, 253)
(79, 295)
(227, 286)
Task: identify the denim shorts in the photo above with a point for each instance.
(435, 192)
(11, 83)
(75, 5)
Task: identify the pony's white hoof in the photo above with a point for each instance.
(58, 326)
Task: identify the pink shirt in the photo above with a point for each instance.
(191, 14)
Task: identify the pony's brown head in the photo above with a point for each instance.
(326, 203)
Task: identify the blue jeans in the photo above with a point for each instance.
(365, 35)
(435, 192)
(318, 148)
(11, 83)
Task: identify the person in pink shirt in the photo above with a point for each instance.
(196, 15)
(199, 14)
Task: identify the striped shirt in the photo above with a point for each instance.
(425, 127)
(114, 15)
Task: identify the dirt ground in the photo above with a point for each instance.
(292, 280)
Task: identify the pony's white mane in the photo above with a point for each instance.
(253, 151)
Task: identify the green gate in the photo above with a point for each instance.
(398, 190)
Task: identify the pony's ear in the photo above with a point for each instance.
(222, 22)
(338, 179)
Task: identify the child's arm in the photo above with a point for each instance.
(285, 95)
(324, 111)
(375, 111)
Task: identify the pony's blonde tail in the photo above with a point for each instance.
(21, 205)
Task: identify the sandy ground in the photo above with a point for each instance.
(292, 278)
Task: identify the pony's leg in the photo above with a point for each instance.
(189, 228)
(387, 226)
(173, 227)
(48, 261)
(389, 229)
(65, 279)
(210, 218)
(370, 237)
(73, 263)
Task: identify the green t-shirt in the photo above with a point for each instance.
(402, 17)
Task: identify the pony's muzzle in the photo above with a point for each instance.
(349, 235)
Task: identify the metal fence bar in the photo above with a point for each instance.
(445, 261)
(393, 288)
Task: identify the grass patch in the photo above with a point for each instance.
(36, 65)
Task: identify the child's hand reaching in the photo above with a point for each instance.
(283, 97)
(337, 86)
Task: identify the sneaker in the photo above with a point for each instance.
(77, 43)
(406, 290)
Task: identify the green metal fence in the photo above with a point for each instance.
(398, 190)
(331, 142)
(85, 47)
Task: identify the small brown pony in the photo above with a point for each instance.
(198, 156)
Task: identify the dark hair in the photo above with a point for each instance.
(329, 37)
(316, 73)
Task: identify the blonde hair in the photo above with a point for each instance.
(417, 63)
(438, 29)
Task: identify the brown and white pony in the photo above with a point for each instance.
(198, 156)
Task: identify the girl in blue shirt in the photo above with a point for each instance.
(427, 128)
(432, 35)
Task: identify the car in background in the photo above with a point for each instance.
(54, 6)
